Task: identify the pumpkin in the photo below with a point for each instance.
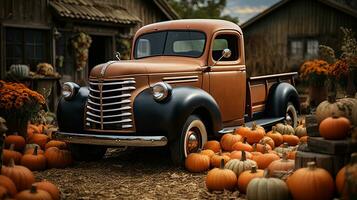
(300, 130)
(228, 140)
(264, 160)
(345, 107)
(239, 166)
(216, 160)
(31, 146)
(284, 128)
(303, 139)
(40, 139)
(207, 152)
(212, 145)
(255, 134)
(19, 70)
(334, 128)
(267, 140)
(266, 188)
(33, 194)
(32, 150)
(242, 146)
(9, 154)
(262, 148)
(35, 161)
(57, 158)
(292, 140)
(8, 184)
(291, 155)
(245, 177)
(3, 192)
(311, 183)
(20, 175)
(242, 130)
(238, 155)
(347, 188)
(221, 178)
(49, 187)
(56, 143)
(196, 162)
(277, 168)
(284, 148)
(32, 129)
(276, 136)
(18, 141)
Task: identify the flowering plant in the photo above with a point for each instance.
(315, 72)
(18, 104)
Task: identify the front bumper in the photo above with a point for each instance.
(111, 140)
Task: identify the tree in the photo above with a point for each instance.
(202, 9)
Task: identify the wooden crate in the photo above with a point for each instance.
(312, 127)
(333, 147)
(331, 163)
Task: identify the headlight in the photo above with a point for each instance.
(69, 90)
(161, 91)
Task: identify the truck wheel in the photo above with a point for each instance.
(291, 115)
(193, 136)
(85, 152)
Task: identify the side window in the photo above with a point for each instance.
(225, 41)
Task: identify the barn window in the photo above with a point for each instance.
(26, 46)
(312, 48)
(225, 41)
(297, 49)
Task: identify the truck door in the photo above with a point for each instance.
(227, 77)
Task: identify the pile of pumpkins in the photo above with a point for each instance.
(35, 152)
(261, 165)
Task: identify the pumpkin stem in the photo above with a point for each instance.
(254, 169)
(331, 98)
(12, 147)
(353, 158)
(243, 158)
(274, 129)
(11, 163)
(35, 151)
(222, 164)
(243, 125)
(266, 173)
(311, 165)
(33, 189)
(254, 126)
(15, 133)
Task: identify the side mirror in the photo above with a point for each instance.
(226, 53)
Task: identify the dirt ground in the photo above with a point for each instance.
(131, 174)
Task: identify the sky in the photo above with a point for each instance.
(246, 9)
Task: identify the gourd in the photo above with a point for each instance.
(239, 166)
(40, 139)
(221, 178)
(242, 146)
(347, 187)
(264, 160)
(276, 136)
(49, 187)
(56, 143)
(267, 140)
(31, 150)
(345, 107)
(292, 140)
(284, 148)
(207, 152)
(255, 134)
(57, 158)
(9, 154)
(242, 130)
(216, 159)
(303, 139)
(300, 130)
(3, 192)
(238, 155)
(245, 177)
(8, 184)
(33, 194)
(266, 188)
(18, 141)
(212, 145)
(20, 71)
(262, 148)
(228, 140)
(35, 161)
(281, 167)
(334, 128)
(196, 162)
(20, 175)
(311, 183)
(284, 128)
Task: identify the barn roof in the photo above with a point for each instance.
(332, 3)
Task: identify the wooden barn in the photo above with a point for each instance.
(283, 36)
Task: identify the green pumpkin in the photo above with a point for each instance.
(20, 71)
(239, 166)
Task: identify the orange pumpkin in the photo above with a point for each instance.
(228, 140)
(334, 128)
(3, 192)
(216, 159)
(57, 158)
(255, 134)
(280, 167)
(49, 187)
(311, 183)
(32, 129)
(262, 148)
(212, 145)
(276, 136)
(238, 155)
(245, 177)
(9, 154)
(8, 184)
(33, 194)
(20, 175)
(267, 140)
(303, 139)
(40, 139)
(32, 150)
(196, 162)
(207, 152)
(292, 140)
(242, 130)
(34, 162)
(242, 146)
(18, 141)
(264, 160)
(221, 179)
(56, 143)
(291, 155)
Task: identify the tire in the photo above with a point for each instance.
(179, 148)
(291, 115)
(85, 152)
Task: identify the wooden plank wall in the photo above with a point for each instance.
(266, 40)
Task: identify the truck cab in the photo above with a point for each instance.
(186, 82)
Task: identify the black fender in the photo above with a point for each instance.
(168, 117)
(279, 95)
(70, 113)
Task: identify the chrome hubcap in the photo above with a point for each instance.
(193, 140)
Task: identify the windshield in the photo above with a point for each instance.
(170, 43)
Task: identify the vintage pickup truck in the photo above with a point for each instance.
(186, 83)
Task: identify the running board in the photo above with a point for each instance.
(262, 122)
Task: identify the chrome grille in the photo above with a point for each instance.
(108, 105)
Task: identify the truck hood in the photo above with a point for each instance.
(146, 66)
